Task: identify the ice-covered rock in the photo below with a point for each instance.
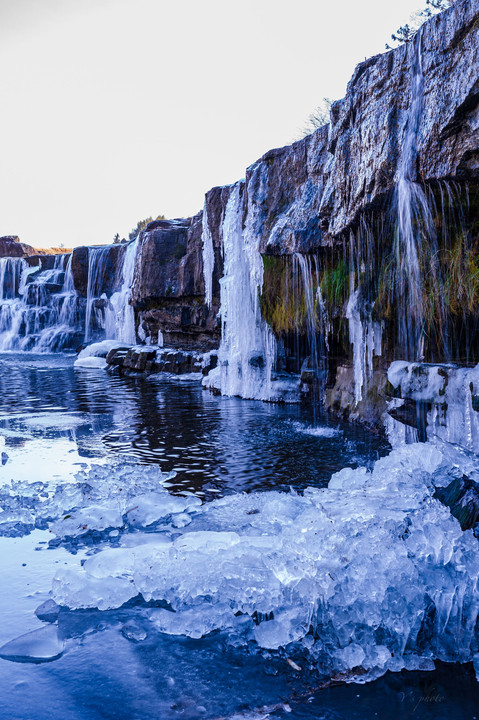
(93, 356)
(47, 611)
(449, 396)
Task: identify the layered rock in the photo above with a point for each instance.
(309, 193)
(168, 291)
(10, 246)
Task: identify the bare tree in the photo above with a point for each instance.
(318, 118)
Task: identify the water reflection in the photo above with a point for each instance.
(215, 444)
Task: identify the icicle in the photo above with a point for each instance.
(208, 256)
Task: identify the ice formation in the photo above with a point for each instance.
(38, 646)
(365, 336)
(371, 573)
(93, 356)
(450, 394)
(247, 352)
(208, 256)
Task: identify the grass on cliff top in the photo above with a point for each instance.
(54, 251)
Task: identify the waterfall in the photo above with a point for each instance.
(247, 350)
(97, 277)
(10, 274)
(39, 308)
(414, 219)
(41, 311)
(317, 323)
(208, 256)
(120, 317)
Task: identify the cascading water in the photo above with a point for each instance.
(97, 277)
(10, 273)
(120, 316)
(40, 310)
(414, 222)
(317, 323)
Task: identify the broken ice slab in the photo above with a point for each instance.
(38, 646)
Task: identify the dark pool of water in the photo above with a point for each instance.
(212, 443)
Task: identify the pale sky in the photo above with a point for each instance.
(116, 110)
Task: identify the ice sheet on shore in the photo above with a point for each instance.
(104, 497)
(371, 571)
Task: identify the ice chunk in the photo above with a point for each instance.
(83, 590)
(151, 507)
(91, 363)
(195, 622)
(351, 656)
(93, 517)
(93, 356)
(286, 627)
(134, 631)
(42, 645)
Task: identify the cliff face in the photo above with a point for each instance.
(168, 288)
(10, 246)
(313, 196)
(308, 193)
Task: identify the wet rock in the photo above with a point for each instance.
(149, 360)
(10, 246)
(462, 497)
(168, 289)
(162, 246)
(111, 269)
(306, 194)
(80, 270)
(340, 398)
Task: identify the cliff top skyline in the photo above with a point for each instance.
(119, 110)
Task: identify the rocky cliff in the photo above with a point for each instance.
(10, 246)
(311, 192)
(168, 291)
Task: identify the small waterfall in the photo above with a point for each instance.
(317, 323)
(120, 316)
(10, 273)
(41, 311)
(96, 302)
(208, 256)
(39, 308)
(247, 351)
(414, 224)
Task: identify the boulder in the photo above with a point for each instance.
(10, 246)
